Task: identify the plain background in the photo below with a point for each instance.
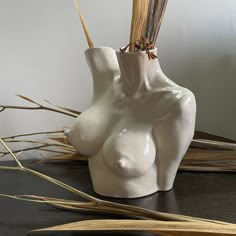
(42, 56)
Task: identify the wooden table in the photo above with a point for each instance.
(206, 195)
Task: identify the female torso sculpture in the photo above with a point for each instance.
(138, 127)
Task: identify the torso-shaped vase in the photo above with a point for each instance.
(138, 127)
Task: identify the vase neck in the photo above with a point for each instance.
(104, 68)
(139, 74)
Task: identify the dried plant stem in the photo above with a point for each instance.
(61, 184)
(52, 201)
(32, 134)
(64, 157)
(58, 145)
(41, 147)
(156, 215)
(41, 107)
(156, 12)
(64, 108)
(138, 23)
(101, 209)
(9, 150)
(45, 177)
(75, 205)
(160, 18)
(85, 28)
(51, 180)
(149, 19)
(8, 168)
(136, 211)
(210, 144)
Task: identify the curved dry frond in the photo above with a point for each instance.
(157, 227)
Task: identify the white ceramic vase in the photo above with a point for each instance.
(137, 128)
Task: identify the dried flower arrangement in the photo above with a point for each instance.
(204, 154)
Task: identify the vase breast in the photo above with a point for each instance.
(147, 125)
(89, 130)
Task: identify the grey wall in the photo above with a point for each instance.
(41, 56)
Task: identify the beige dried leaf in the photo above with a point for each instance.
(85, 28)
(27, 99)
(66, 157)
(170, 228)
(60, 139)
(211, 144)
(138, 23)
(64, 108)
(197, 159)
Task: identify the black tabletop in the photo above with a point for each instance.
(206, 195)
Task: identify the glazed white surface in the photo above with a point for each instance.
(138, 127)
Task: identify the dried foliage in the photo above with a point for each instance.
(203, 160)
(156, 11)
(138, 24)
(205, 155)
(156, 222)
(85, 28)
(39, 106)
(150, 226)
(198, 158)
(147, 18)
(141, 45)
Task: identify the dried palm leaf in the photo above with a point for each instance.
(138, 23)
(157, 227)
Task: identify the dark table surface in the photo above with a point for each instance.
(206, 195)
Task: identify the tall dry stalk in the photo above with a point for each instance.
(139, 18)
(85, 28)
(156, 11)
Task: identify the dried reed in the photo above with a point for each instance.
(155, 221)
(138, 23)
(39, 106)
(146, 21)
(85, 28)
(33, 134)
(205, 160)
(156, 13)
